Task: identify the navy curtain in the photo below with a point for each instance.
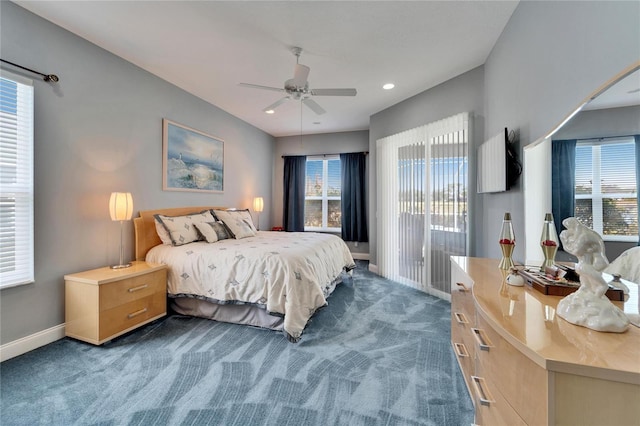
(295, 170)
(637, 138)
(563, 181)
(354, 218)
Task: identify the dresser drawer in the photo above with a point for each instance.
(116, 320)
(512, 373)
(122, 292)
(465, 361)
(461, 326)
(461, 292)
(492, 409)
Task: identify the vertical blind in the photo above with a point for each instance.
(422, 202)
(16, 180)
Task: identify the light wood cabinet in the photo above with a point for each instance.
(104, 303)
(523, 365)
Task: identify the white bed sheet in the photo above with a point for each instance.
(288, 273)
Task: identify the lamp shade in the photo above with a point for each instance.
(121, 206)
(258, 204)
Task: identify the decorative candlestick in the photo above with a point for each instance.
(507, 243)
(549, 241)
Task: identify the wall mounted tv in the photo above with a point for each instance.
(498, 165)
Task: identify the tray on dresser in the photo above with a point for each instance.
(553, 286)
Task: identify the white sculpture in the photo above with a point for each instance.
(588, 306)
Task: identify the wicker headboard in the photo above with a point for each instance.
(146, 236)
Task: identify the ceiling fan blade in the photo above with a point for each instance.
(313, 105)
(300, 75)
(256, 86)
(276, 104)
(333, 92)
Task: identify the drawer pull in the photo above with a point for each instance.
(483, 341)
(462, 287)
(460, 318)
(483, 394)
(142, 287)
(136, 313)
(461, 350)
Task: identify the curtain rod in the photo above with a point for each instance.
(603, 138)
(46, 77)
(324, 155)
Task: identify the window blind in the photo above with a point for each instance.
(606, 188)
(422, 202)
(16, 180)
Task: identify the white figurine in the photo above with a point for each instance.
(588, 306)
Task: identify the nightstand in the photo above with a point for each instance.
(105, 303)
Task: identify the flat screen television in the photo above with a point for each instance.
(498, 165)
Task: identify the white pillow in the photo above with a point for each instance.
(213, 231)
(182, 229)
(238, 221)
(162, 232)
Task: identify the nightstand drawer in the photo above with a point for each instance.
(122, 292)
(121, 318)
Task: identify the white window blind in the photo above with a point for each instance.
(422, 203)
(606, 188)
(16, 180)
(323, 190)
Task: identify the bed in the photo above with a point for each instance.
(274, 280)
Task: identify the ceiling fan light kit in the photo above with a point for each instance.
(297, 88)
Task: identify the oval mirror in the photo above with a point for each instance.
(611, 115)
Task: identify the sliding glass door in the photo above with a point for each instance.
(422, 203)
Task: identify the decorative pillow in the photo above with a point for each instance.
(238, 221)
(162, 232)
(182, 229)
(213, 231)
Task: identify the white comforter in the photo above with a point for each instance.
(288, 273)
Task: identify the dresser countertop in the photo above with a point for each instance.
(527, 319)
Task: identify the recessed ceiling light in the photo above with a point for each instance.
(270, 111)
(388, 86)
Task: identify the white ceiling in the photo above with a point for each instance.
(208, 47)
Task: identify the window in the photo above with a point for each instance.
(322, 204)
(606, 188)
(16, 180)
(449, 193)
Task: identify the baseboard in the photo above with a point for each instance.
(29, 343)
(360, 256)
(373, 268)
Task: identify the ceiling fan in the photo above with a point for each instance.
(297, 88)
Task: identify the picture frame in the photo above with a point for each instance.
(191, 160)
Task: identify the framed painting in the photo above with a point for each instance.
(191, 160)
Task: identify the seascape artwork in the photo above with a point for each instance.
(192, 161)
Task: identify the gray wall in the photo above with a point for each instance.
(100, 130)
(549, 58)
(598, 123)
(324, 143)
(460, 94)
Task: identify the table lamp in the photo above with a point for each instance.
(258, 206)
(121, 209)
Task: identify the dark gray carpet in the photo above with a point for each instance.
(379, 354)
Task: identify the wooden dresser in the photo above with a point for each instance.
(105, 303)
(524, 365)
